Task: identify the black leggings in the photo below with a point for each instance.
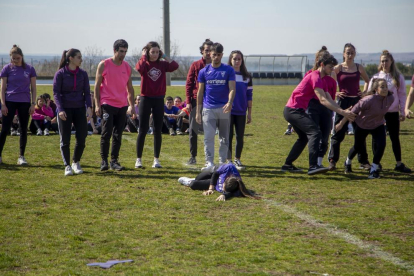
(147, 106)
(378, 136)
(237, 122)
(23, 114)
(202, 181)
(323, 118)
(393, 125)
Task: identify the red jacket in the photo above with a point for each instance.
(191, 86)
(153, 80)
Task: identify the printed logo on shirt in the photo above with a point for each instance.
(216, 82)
(208, 72)
(26, 74)
(223, 73)
(154, 73)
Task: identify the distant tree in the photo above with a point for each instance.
(403, 69)
(48, 67)
(92, 55)
(371, 69)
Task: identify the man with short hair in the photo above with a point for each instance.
(217, 88)
(114, 97)
(191, 88)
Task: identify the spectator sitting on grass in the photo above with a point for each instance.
(184, 121)
(41, 118)
(133, 124)
(51, 103)
(15, 126)
(171, 115)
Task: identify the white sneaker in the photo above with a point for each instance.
(186, 181)
(239, 164)
(77, 168)
(39, 132)
(13, 132)
(68, 170)
(21, 161)
(156, 164)
(208, 165)
(46, 132)
(138, 163)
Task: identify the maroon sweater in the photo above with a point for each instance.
(153, 81)
(191, 86)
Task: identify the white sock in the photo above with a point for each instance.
(348, 161)
(374, 167)
(320, 161)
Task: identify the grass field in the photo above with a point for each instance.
(332, 224)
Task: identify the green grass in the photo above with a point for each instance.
(55, 225)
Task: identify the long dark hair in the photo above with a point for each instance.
(232, 184)
(394, 72)
(65, 57)
(243, 69)
(41, 97)
(148, 47)
(16, 50)
(348, 45)
(374, 86)
(318, 56)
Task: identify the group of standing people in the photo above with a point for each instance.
(380, 107)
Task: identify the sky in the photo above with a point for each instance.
(254, 27)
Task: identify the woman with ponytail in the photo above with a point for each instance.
(224, 179)
(18, 79)
(396, 84)
(72, 95)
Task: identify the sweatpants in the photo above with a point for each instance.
(194, 127)
(23, 114)
(238, 124)
(378, 137)
(202, 181)
(113, 125)
(215, 118)
(77, 116)
(308, 132)
(148, 106)
(322, 116)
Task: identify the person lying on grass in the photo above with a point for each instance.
(224, 179)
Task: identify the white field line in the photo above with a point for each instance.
(333, 230)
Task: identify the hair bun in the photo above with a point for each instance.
(385, 52)
(207, 40)
(324, 48)
(14, 46)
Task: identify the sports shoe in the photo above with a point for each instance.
(114, 165)
(21, 161)
(186, 181)
(239, 164)
(348, 168)
(288, 132)
(317, 169)
(351, 132)
(77, 168)
(156, 164)
(46, 132)
(68, 170)
(13, 132)
(402, 168)
(172, 132)
(207, 166)
(365, 166)
(374, 174)
(17, 133)
(39, 132)
(138, 163)
(290, 168)
(179, 132)
(104, 165)
(192, 161)
(150, 131)
(332, 165)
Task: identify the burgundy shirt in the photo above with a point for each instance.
(349, 82)
(191, 85)
(371, 110)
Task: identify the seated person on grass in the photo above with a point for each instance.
(41, 118)
(133, 124)
(172, 115)
(184, 124)
(51, 103)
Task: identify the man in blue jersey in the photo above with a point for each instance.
(216, 91)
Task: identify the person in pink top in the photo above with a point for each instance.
(410, 101)
(152, 67)
(41, 118)
(307, 130)
(395, 80)
(114, 97)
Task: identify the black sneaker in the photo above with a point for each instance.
(374, 174)
(348, 168)
(332, 165)
(104, 165)
(116, 166)
(402, 168)
(192, 161)
(317, 169)
(290, 168)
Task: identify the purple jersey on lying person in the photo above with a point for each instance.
(244, 94)
(224, 171)
(174, 110)
(18, 82)
(216, 81)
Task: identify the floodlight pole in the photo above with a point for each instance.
(166, 34)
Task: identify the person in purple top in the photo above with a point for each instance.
(224, 179)
(18, 79)
(72, 94)
(242, 101)
(216, 91)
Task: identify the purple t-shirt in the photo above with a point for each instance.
(18, 82)
(216, 82)
(244, 94)
(224, 171)
(174, 110)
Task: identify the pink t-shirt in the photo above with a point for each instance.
(305, 91)
(114, 84)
